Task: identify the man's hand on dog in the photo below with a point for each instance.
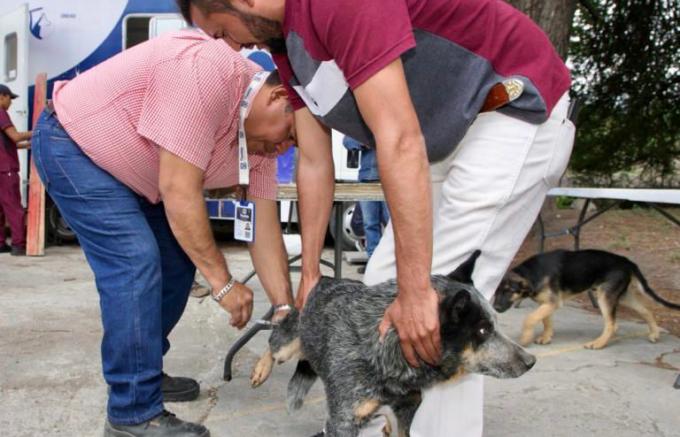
(416, 319)
(239, 304)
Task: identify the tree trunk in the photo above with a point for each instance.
(554, 16)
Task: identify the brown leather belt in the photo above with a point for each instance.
(502, 93)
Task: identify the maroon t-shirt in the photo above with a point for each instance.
(9, 158)
(453, 52)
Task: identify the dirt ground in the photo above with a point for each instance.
(640, 234)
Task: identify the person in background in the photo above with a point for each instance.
(11, 208)
(375, 214)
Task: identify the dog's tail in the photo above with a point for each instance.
(300, 384)
(650, 292)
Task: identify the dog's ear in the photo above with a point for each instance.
(453, 306)
(464, 271)
(516, 278)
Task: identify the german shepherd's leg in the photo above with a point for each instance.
(544, 310)
(548, 331)
(632, 301)
(405, 409)
(262, 369)
(608, 309)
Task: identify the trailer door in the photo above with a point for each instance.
(14, 34)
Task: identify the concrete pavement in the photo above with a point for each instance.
(50, 382)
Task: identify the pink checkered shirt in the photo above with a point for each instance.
(180, 91)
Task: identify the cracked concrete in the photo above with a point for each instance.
(50, 382)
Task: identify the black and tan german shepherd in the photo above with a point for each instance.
(553, 277)
(336, 338)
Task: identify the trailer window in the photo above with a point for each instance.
(11, 57)
(167, 23)
(136, 30)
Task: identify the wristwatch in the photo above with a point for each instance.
(224, 291)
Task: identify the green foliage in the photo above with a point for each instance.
(564, 202)
(626, 56)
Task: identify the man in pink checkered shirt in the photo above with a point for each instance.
(126, 151)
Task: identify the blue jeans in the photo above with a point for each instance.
(375, 216)
(142, 274)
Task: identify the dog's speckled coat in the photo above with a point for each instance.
(340, 342)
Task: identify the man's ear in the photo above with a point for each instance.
(275, 93)
(464, 272)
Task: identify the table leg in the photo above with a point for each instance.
(577, 228)
(338, 240)
(666, 214)
(541, 227)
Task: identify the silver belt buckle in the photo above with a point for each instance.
(514, 88)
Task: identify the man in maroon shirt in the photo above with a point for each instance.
(10, 194)
(465, 102)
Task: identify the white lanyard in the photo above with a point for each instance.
(246, 104)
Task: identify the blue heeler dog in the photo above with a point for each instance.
(336, 338)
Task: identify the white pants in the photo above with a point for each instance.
(486, 195)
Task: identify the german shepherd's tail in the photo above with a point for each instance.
(300, 384)
(649, 291)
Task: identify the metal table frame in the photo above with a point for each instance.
(344, 192)
(654, 198)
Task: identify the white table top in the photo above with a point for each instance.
(651, 195)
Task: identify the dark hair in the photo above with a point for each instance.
(207, 6)
(274, 79)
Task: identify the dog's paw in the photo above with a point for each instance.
(654, 336)
(543, 339)
(262, 370)
(594, 345)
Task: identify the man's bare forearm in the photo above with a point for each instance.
(386, 106)
(409, 196)
(315, 191)
(315, 185)
(269, 253)
(188, 218)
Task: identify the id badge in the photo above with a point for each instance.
(244, 221)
